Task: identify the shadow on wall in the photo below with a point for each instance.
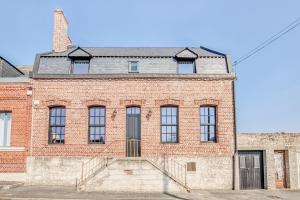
(166, 181)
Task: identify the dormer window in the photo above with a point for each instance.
(133, 67)
(80, 67)
(80, 61)
(186, 61)
(186, 67)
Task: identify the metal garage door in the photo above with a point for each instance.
(251, 170)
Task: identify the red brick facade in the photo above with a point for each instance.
(116, 94)
(14, 99)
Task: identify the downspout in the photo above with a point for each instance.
(236, 175)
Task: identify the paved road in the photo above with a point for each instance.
(54, 192)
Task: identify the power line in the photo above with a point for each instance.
(267, 42)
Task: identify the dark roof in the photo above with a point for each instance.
(14, 67)
(137, 51)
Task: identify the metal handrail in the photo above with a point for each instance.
(172, 168)
(94, 164)
(133, 147)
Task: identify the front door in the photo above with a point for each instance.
(251, 169)
(133, 132)
(280, 175)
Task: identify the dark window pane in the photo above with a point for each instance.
(97, 124)
(208, 123)
(57, 125)
(169, 124)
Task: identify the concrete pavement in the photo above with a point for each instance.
(63, 192)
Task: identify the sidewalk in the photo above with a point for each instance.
(63, 192)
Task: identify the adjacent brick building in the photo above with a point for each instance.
(15, 119)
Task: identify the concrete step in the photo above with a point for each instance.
(132, 176)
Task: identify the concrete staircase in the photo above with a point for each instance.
(131, 175)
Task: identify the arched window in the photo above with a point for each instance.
(208, 124)
(97, 125)
(57, 125)
(169, 124)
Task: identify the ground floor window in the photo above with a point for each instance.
(5, 128)
(97, 125)
(57, 125)
(169, 124)
(208, 123)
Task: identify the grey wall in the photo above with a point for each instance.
(114, 65)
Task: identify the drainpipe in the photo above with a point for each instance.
(236, 171)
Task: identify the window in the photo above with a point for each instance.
(57, 125)
(208, 123)
(186, 67)
(97, 125)
(169, 124)
(81, 66)
(5, 128)
(133, 67)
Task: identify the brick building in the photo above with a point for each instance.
(15, 120)
(169, 111)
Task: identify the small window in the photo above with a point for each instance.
(208, 123)
(133, 67)
(5, 128)
(80, 66)
(169, 124)
(97, 125)
(57, 125)
(242, 161)
(186, 67)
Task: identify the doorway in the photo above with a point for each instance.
(133, 131)
(280, 169)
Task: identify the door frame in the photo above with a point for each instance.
(140, 131)
(283, 152)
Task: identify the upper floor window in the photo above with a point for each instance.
(133, 67)
(208, 123)
(57, 125)
(5, 128)
(186, 67)
(97, 125)
(169, 124)
(80, 67)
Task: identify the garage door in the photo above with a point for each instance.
(251, 170)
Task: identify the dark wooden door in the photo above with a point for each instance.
(280, 176)
(251, 170)
(133, 131)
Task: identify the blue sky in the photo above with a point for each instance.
(268, 85)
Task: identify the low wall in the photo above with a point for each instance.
(211, 172)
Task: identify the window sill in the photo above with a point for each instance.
(12, 148)
(208, 142)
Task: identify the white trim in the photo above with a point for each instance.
(12, 148)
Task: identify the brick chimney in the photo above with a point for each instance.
(61, 40)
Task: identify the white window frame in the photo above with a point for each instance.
(5, 135)
(130, 69)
